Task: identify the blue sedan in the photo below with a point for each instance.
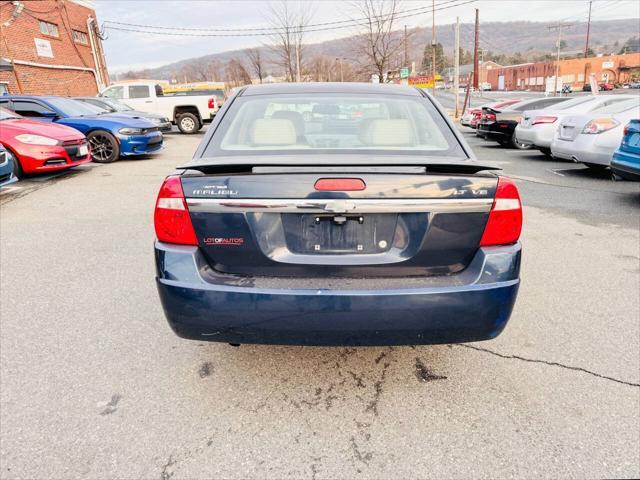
(110, 135)
(335, 228)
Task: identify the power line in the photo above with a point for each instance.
(292, 31)
(270, 29)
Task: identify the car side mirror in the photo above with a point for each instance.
(49, 115)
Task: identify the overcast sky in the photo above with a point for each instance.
(134, 50)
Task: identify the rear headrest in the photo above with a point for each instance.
(295, 117)
(273, 131)
(387, 133)
(325, 109)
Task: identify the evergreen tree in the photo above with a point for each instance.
(441, 60)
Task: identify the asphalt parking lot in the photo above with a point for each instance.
(93, 384)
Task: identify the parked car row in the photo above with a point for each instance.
(188, 112)
(585, 129)
(49, 133)
(111, 105)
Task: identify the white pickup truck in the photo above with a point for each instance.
(188, 112)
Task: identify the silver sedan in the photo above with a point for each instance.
(592, 138)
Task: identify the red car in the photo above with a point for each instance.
(476, 113)
(607, 86)
(39, 146)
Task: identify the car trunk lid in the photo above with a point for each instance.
(275, 221)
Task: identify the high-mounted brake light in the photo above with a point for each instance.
(505, 219)
(171, 217)
(544, 119)
(339, 184)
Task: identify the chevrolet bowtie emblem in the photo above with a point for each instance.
(339, 206)
(333, 206)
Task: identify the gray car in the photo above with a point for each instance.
(114, 106)
(6, 168)
(592, 138)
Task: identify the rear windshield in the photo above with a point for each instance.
(341, 123)
(618, 107)
(574, 102)
(537, 104)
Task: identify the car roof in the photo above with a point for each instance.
(32, 97)
(341, 87)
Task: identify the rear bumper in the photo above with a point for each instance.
(562, 149)
(626, 165)
(590, 149)
(538, 135)
(494, 132)
(202, 304)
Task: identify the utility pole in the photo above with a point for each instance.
(406, 53)
(297, 61)
(558, 27)
(475, 51)
(456, 67)
(340, 63)
(466, 95)
(586, 47)
(433, 47)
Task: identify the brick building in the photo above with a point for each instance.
(574, 72)
(465, 70)
(50, 47)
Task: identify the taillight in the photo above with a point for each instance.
(491, 117)
(600, 125)
(339, 184)
(544, 119)
(625, 130)
(505, 219)
(171, 218)
(212, 103)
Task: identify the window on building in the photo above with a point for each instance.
(80, 37)
(114, 92)
(27, 108)
(139, 91)
(4, 88)
(47, 28)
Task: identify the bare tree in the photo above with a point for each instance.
(236, 73)
(378, 43)
(256, 63)
(289, 21)
(319, 68)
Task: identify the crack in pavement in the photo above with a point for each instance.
(165, 474)
(545, 362)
